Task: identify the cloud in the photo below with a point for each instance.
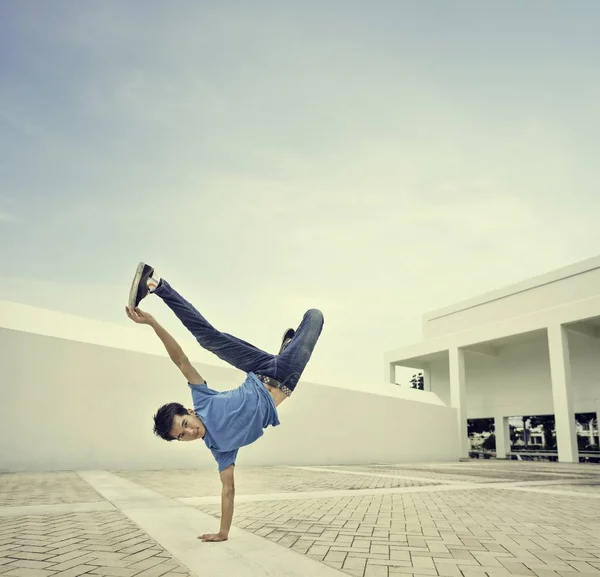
(5, 217)
(16, 119)
(7, 208)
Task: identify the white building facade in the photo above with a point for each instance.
(532, 348)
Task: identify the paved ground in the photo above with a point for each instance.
(470, 519)
(91, 543)
(41, 489)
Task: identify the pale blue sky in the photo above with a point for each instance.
(372, 159)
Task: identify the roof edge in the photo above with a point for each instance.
(550, 277)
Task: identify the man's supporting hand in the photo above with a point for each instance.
(226, 517)
(213, 538)
(227, 498)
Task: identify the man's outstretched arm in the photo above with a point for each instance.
(173, 348)
(227, 499)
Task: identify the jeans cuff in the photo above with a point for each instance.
(161, 288)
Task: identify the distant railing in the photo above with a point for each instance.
(537, 455)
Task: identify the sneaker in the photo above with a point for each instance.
(287, 339)
(139, 286)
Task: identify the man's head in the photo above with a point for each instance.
(174, 422)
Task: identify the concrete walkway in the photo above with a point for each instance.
(461, 519)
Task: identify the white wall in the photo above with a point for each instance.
(66, 405)
(517, 381)
(578, 281)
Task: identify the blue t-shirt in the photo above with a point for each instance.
(234, 418)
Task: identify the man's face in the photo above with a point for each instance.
(187, 427)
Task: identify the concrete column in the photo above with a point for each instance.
(426, 379)
(562, 394)
(598, 416)
(502, 433)
(458, 398)
(391, 373)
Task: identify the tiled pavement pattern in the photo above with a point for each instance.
(477, 473)
(427, 474)
(482, 472)
(472, 532)
(183, 483)
(195, 483)
(584, 487)
(93, 543)
(44, 489)
(523, 468)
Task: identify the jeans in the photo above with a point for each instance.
(286, 368)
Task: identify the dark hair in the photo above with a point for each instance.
(163, 420)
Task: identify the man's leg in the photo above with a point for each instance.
(292, 362)
(236, 352)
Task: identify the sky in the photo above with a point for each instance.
(375, 160)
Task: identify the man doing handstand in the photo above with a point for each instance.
(232, 419)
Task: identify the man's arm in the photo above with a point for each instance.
(175, 351)
(177, 355)
(227, 498)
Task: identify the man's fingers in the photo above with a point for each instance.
(210, 538)
(134, 314)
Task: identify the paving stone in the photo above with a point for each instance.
(75, 571)
(81, 560)
(30, 564)
(20, 554)
(116, 571)
(156, 571)
(376, 571)
(26, 572)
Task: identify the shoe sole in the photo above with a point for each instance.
(135, 285)
(284, 338)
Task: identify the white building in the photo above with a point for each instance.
(532, 348)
